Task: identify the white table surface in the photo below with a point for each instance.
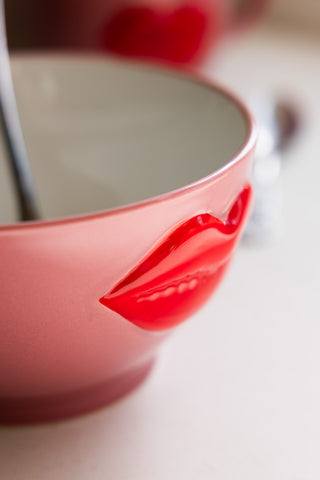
(236, 391)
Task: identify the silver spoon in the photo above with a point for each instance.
(13, 136)
(280, 123)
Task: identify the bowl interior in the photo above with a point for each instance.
(104, 133)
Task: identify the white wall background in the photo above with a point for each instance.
(303, 12)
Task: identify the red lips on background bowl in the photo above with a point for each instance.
(174, 31)
(143, 178)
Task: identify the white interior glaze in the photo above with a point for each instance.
(102, 133)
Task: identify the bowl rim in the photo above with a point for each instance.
(185, 73)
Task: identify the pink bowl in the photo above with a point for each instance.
(143, 179)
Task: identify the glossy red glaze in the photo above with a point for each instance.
(181, 273)
(175, 34)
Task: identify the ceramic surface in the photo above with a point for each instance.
(143, 178)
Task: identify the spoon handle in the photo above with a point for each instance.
(13, 136)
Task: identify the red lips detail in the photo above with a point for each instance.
(176, 35)
(181, 273)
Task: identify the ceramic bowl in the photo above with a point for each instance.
(143, 181)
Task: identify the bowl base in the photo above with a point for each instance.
(15, 411)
